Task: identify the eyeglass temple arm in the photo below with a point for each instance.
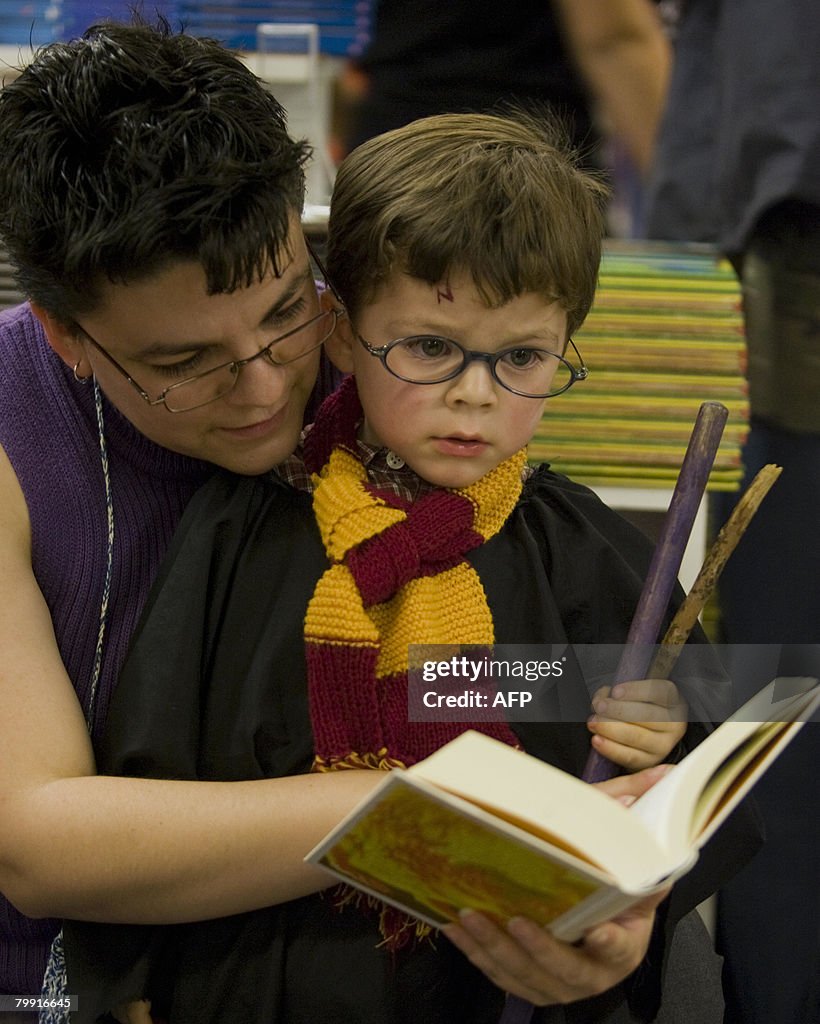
(582, 370)
(315, 257)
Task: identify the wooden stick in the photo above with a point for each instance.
(666, 560)
(725, 543)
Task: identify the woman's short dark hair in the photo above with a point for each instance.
(135, 146)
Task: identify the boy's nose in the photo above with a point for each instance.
(474, 385)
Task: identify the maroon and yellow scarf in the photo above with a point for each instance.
(398, 577)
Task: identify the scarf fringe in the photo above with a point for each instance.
(397, 929)
(379, 761)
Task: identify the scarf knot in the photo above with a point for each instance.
(436, 534)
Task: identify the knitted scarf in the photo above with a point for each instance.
(397, 577)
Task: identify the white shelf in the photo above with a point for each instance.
(656, 499)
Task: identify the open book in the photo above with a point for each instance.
(479, 824)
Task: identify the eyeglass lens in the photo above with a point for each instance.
(528, 371)
(213, 384)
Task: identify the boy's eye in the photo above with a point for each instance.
(524, 358)
(527, 358)
(428, 346)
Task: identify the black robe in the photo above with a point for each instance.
(214, 688)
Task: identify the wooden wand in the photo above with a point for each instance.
(725, 543)
(668, 555)
(654, 599)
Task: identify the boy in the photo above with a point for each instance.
(423, 283)
(469, 227)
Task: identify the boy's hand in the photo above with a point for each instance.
(526, 960)
(138, 1012)
(638, 724)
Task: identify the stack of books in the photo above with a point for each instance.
(665, 334)
(10, 294)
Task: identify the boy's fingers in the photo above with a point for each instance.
(622, 712)
(650, 691)
(629, 758)
(634, 785)
(645, 738)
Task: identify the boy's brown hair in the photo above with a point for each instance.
(499, 196)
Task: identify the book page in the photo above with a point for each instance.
(688, 805)
(733, 773)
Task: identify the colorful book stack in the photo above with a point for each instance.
(665, 334)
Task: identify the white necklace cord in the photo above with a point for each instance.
(55, 980)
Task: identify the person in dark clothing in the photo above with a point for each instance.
(595, 65)
(738, 166)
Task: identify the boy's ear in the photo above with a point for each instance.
(62, 338)
(339, 346)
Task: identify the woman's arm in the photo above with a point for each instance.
(623, 54)
(73, 844)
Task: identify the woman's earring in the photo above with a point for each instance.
(77, 377)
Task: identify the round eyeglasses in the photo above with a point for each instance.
(210, 385)
(522, 369)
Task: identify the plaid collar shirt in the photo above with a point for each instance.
(385, 470)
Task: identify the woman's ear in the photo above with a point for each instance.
(62, 338)
(339, 346)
